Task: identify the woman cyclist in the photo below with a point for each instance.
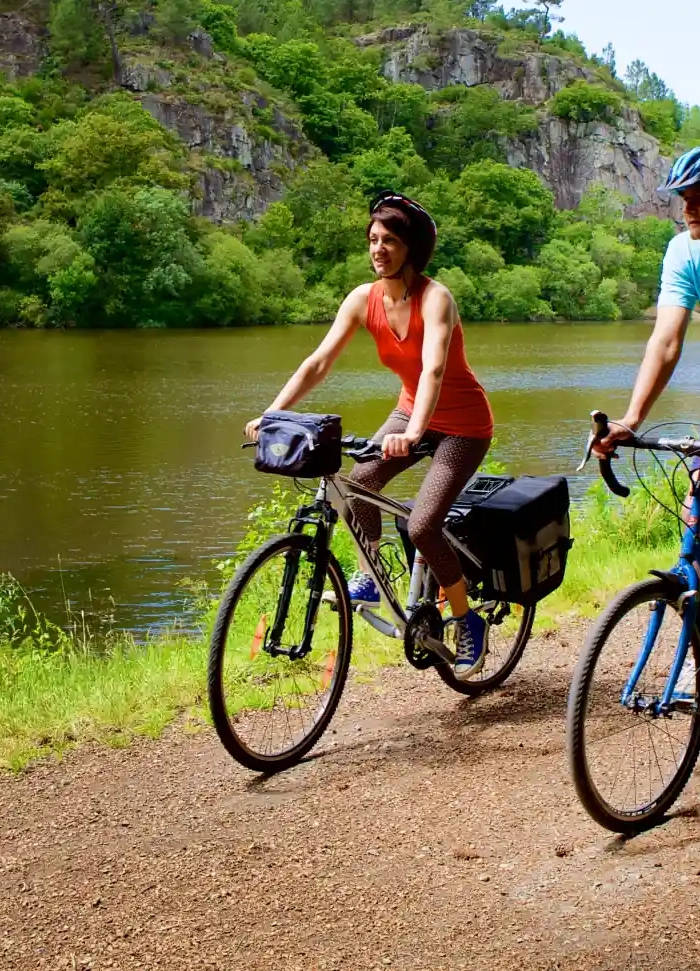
(418, 333)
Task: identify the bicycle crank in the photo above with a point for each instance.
(422, 642)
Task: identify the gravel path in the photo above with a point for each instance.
(432, 833)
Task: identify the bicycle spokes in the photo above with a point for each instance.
(634, 744)
(273, 697)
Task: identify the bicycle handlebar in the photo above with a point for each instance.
(366, 449)
(599, 429)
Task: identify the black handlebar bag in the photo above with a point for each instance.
(303, 446)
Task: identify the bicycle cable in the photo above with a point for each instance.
(670, 480)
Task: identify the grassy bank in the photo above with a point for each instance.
(59, 689)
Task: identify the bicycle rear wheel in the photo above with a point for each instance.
(510, 627)
(268, 706)
(629, 762)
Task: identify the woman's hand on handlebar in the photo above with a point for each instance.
(398, 446)
(251, 429)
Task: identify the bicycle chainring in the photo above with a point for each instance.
(425, 619)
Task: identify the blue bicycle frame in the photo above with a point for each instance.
(687, 570)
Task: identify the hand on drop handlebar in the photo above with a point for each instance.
(617, 431)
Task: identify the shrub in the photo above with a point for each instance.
(583, 102)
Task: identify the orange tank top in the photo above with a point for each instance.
(462, 407)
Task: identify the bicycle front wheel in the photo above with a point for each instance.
(629, 761)
(269, 705)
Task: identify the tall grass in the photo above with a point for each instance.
(63, 685)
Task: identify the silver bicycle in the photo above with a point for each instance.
(283, 637)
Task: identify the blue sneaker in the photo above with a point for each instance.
(685, 686)
(471, 645)
(363, 591)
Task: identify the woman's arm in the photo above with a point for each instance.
(317, 365)
(439, 315)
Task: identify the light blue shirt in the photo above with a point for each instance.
(680, 277)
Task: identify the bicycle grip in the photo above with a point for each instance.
(600, 427)
(611, 480)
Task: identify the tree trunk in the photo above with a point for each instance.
(106, 11)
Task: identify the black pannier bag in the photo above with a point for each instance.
(304, 446)
(479, 487)
(520, 532)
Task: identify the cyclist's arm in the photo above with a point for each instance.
(660, 360)
(438, 321)
(317, 365)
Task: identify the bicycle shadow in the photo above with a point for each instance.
(464, 730)
(652, 840)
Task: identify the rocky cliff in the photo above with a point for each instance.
(568, 157)
(21, 46)
(243, 146)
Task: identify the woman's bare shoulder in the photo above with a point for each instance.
(356, 301)
(438, 296)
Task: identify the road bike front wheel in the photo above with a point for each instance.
(629, 761)
(269, 705)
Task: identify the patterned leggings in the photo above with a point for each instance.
(456, 460)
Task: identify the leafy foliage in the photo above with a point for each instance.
(96, 224)
(584, 102)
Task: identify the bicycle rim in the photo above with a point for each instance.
(629, 764)
(269, 708)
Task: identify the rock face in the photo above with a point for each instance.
(21, 46)
(571, 157)
(241, 173)
(568, 157)
(416, 56)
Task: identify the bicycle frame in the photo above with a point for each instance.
(688, 570)
(338, 490)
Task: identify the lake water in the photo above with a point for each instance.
(120, 463)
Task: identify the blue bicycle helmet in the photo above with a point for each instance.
(685, 172)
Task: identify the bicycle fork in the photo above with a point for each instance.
(689, 609)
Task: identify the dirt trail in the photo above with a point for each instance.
(432, 833)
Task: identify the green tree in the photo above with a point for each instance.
(14, 113)
(144, 257)
(514, 293)
(76, 36)
(690, 129)
(229, 283)
(464, 291)
(472, 130)
(480, 258)
(507, 207)
(404, 106)
(570, 278)
(176, 19)
(662, 119)
(547, 16)
(98, 150)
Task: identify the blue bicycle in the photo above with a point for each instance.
(632, 725)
